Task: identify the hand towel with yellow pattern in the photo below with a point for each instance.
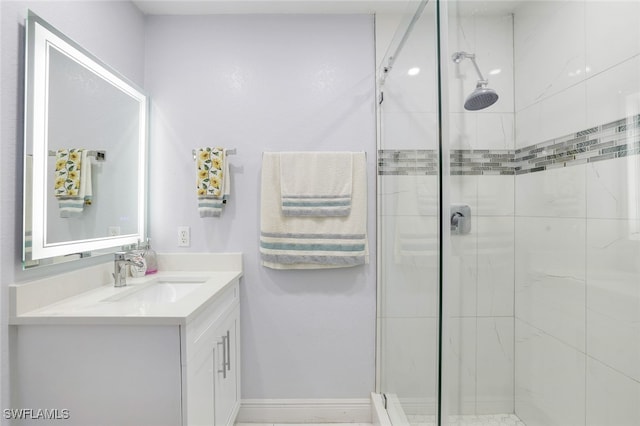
(212, 183)
(72, 181)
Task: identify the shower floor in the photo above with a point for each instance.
(470, 420)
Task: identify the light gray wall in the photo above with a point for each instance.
(253, 83)
(268, 83)
(111, 30)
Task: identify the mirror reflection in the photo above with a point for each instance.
(85, 152)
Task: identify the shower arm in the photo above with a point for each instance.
(459, 56)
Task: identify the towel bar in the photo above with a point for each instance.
(227, 151)
(100, 155)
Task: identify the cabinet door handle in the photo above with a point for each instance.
(224, 357)
(228, 351)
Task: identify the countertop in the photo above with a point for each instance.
(109, 305)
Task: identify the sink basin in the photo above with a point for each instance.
(161, 290)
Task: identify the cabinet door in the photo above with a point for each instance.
(204, 351)
(201, 386)
(226, 398)
(120, 375)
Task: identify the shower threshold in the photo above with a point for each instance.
(398, 417)
(468, 420)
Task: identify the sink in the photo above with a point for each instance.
(160, 290)
(165, 292)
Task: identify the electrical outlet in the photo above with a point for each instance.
(113, 231)
(184, 236)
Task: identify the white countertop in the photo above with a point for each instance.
(95, 306)
(106, 304)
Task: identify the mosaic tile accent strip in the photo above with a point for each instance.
(620, 138)
(408, 162)
(482, 162)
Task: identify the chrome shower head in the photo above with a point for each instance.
(482, 97)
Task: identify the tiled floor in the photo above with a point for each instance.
(479, 420)
(305, 424)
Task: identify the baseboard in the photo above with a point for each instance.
(356, 410)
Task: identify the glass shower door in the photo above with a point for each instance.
(478, 309)
(408, 227)
(446, 223)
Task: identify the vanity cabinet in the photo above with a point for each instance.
(213, 366)
(134, 371)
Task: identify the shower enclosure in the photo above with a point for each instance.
(509, 232)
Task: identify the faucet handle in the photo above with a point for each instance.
(120, 255)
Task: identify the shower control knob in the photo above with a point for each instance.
(460, 219)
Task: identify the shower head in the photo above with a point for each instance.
(482, 97)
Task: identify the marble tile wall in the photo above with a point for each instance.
(577, 241)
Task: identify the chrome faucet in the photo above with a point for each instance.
(121, 260)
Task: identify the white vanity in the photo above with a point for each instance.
(164, 350)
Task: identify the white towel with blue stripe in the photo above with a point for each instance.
(306, 242)
(316, 183)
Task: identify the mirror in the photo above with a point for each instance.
(85, 152)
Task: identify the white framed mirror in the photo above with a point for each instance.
(85, 152)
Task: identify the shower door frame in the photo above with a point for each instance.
(442, 59)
